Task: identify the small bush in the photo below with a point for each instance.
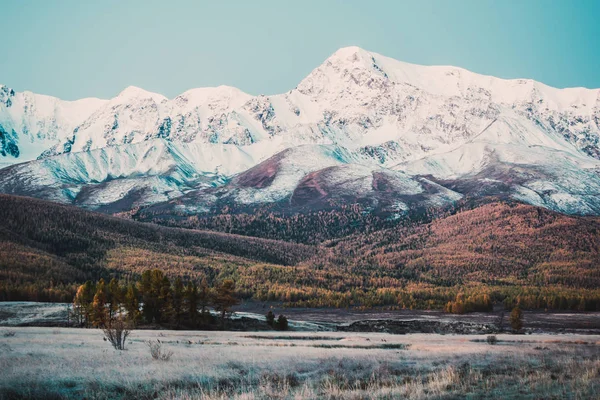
(9, 333)
(117, 332)
(157, 352)
(492, 339)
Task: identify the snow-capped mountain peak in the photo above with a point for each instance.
(348, 62)
(440, 121)
(134, 93)
(348, 66)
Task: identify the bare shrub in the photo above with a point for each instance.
(116, 332)
(157, 352)
(8, 333)
(492, 339)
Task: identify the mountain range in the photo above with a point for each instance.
(360, 128)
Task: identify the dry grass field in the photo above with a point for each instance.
(77, 363)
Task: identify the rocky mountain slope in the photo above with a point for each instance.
(31, 124)
(360, 127)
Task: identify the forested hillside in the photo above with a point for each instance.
(496, 242)
(45, 247)
(525, 253)
(491, 253)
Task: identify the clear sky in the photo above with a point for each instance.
(75, 48)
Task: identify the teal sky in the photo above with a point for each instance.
(74, 49)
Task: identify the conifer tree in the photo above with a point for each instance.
(516, 319)
(178, 299)
(114, 297)
(204, 299)
(154, 294)
(165, 301)
(270, 318)
(458, 307)
(99, 312)
(225, 298)
(282, 323)
(82, 304)
(191, 302)
(132, 304)
(146, 293)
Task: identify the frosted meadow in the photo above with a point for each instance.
(63, 363)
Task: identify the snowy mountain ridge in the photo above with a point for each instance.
(355, 98)
(443, 122)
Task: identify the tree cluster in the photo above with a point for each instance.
(474, 303)
(281, 323)
(153, 300)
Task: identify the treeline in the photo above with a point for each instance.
(474, 303)
(571, 300)
(29, 274)
(526, 298)
(38, 291)
(154, 300)
(458, 299)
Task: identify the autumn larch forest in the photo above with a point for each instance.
(470, 258)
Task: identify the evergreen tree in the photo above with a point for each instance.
(516, 319)
(582, 305)
(82, 304)
(282, 323)
(146, 293)
(191, 302)
(178, 300)
(99, 312)
(204, 298)
(225, 298)
(165, 301)
(132, 304)
(270, 318)
(154, 295)
(114, 297)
